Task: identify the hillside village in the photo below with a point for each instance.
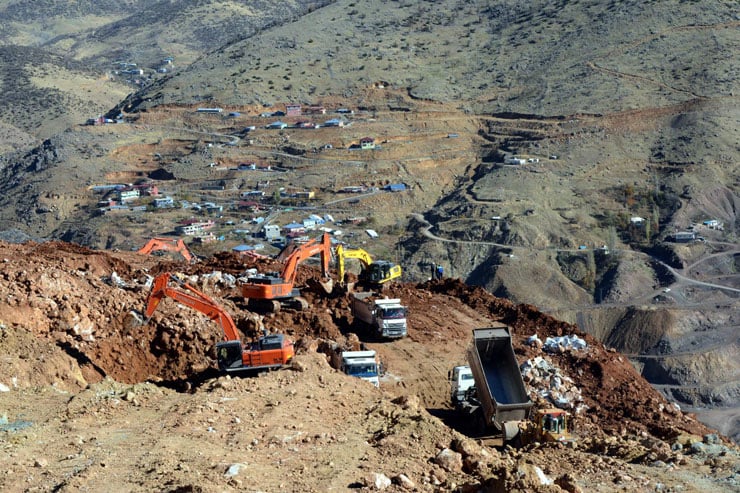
(195, 197)
(243, 204)
(247, 188)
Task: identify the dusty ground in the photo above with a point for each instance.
(89, 404)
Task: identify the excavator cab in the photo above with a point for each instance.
(271, 292)
(229, 355)
(379, 272)
(373, 274)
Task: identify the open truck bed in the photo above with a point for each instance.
(499, 385)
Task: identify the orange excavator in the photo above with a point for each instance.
(272, 291)
(167, 245)
(267, 352)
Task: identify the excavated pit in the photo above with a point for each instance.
(65, 323)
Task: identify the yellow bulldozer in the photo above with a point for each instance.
(547, 425)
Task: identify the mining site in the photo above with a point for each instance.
(359, 246)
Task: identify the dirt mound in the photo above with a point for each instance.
(619, 400)
(79, 299)
(65, 312)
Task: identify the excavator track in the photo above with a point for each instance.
(264, 306)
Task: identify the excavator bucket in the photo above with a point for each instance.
(321, 286)
(342, 288)
(327, 285)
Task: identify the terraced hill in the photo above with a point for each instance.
(624, 109)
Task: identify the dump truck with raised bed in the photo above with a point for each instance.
(498, 402)
(385, 317)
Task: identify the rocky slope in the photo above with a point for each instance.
(638, 106)
(92, 403)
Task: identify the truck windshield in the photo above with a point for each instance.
(359, 370)
(466, 376)
(399, 312)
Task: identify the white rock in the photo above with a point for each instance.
(234, 469)
(404, 482)
(449, 460)
(379, 481)
(544, 480)
(4, 388)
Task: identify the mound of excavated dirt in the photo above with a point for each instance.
(93, 403)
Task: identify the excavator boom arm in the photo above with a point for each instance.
(307, 250)
(345, 253)
(167, 244)
(194, 299)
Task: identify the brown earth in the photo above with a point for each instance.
(93, 402)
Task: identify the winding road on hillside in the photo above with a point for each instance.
(681, 278)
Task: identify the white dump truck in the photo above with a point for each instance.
(385, 317)
(362, 364)
(498, 401)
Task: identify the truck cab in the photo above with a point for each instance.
(391, 318)
(386, 317)
(362, 364)
(461, 380)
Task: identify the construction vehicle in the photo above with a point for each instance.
(461, 380)
(547, 425)
(273, 291)
(498, 403)
(362, 364)
(177, 245)
(373, 273)
(269, 351)
(385, 317)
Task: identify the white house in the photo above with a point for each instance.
(514, 160)
(164, 202)
(126, 195)
(271, 231)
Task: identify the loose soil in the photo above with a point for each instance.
(94, 401)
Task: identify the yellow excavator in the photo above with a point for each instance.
(374, 272)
